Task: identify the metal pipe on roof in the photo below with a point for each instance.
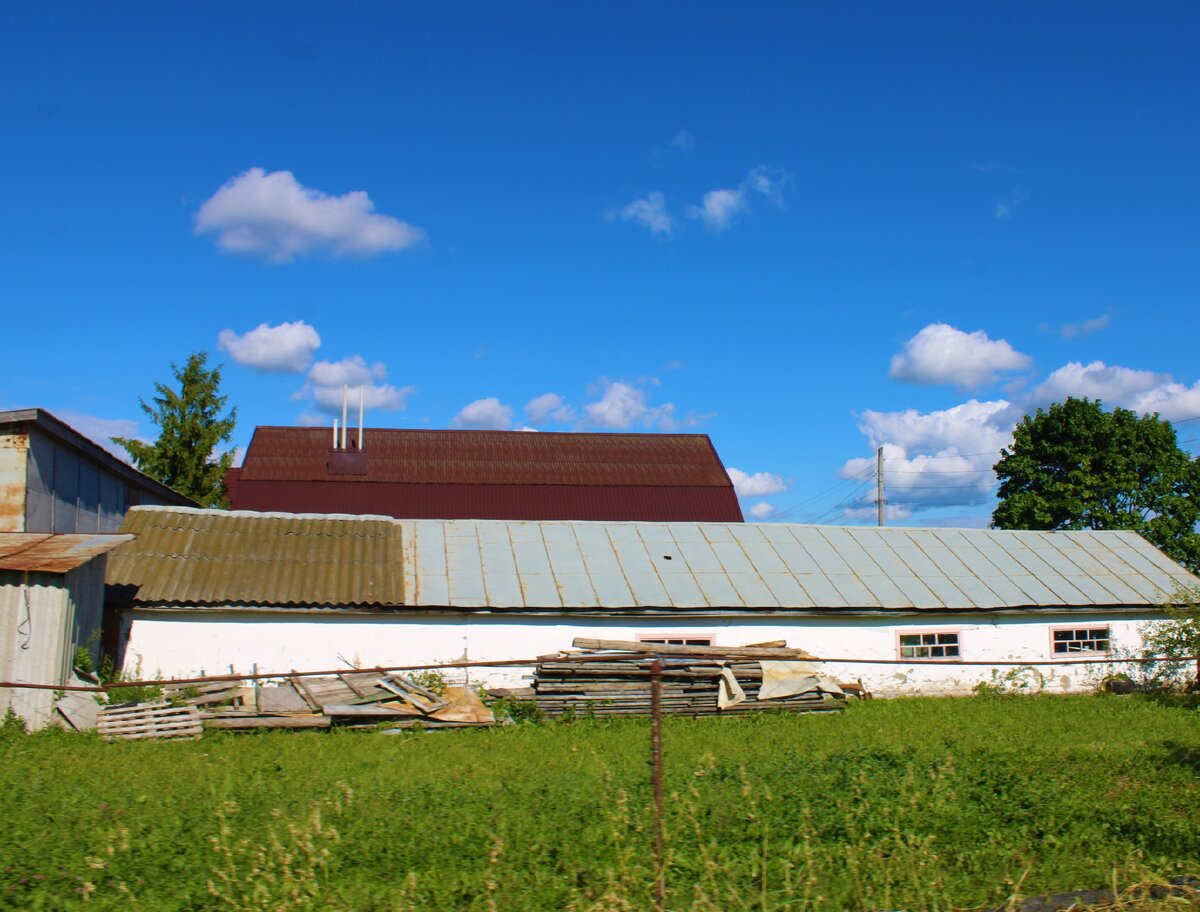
(345, 393)
(361, 390)
(335, 433)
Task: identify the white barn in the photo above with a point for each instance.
(204, 591)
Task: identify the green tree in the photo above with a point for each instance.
(1078, 466)
(183, 457)
(1176, 639)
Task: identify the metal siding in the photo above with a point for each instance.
(34, 648)
(88, 517)
(66, 489)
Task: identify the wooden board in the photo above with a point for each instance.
(132, 722)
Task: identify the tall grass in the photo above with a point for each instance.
(909, 804)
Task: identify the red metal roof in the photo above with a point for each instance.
(423, 474)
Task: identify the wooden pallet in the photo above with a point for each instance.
(138, 721)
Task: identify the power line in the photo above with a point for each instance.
(845, 481)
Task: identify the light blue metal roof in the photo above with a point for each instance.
(508, 565)
(496, 565)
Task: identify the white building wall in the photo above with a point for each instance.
(184, 643)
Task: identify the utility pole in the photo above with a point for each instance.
(879, 484)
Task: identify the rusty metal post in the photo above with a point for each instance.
(656, 783)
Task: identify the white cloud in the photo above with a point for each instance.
(1071, 330)
(684, 141)
(286, 348)
(760, 484)
(650, 212)
(272, 215)
(621, 406)
(326, 378)
(762, 510)
(940, 353)
(933, 459)
(1139, 390)
(550, 406)
(891, 512)
(719, 208)
(488, 414)
(771, 182)
(1001, 211)
(101, 430)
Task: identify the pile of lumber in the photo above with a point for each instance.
(351, 700)
(613, 678)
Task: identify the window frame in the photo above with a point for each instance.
(957, 631)
(1082, 653)
(689, 635)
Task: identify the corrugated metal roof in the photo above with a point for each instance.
(201, 557)
(577, 566)
(404, 456)
(477, 501)
(35, 552)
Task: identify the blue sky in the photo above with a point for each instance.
(806, 230)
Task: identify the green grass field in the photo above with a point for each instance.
(902, 804)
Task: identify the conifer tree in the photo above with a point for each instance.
(191, 428)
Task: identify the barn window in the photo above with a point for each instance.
(1072, 640)
(678, 639)
(938, 644)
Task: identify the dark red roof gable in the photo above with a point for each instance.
(422, 474)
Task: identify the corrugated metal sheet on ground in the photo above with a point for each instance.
(577, 566)
(210, 556)
(36, 552)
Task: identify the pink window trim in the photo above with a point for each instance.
(1066, 656)
(957, 631)
(688, 635)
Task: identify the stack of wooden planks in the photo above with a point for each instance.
(585, 682)
(351, 700)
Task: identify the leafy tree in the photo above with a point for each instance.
(1176, 639)
(190, 418)
(1078, 466)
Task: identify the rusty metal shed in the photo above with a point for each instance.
(51, 604)
(457, 474)
(54, 479)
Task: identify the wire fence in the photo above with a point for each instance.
(658, 664)
(731, 655)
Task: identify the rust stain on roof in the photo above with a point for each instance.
(41, 553)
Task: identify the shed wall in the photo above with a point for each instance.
(35, 610)
(43, 618)
(14, 456)
(183, 643)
